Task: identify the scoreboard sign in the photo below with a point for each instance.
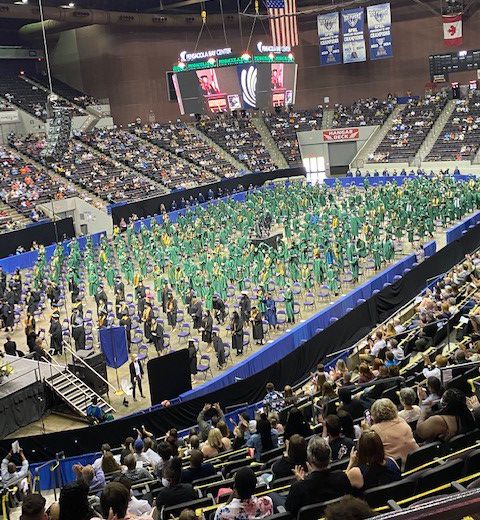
(446, 63)
(341, 134)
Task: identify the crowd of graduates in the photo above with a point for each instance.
(205, 262)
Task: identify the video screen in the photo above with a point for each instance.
(224, 89)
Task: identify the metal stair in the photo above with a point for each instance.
(269, 142)
(75, 393)
(327, 120)
(376, 138)
(435, 131)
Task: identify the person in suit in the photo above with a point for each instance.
(136, 374)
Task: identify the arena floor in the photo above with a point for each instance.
(53, 422)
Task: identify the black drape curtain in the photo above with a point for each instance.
(290, 370)
(43, 233)
(149, 207)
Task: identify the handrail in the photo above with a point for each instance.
(74, 354)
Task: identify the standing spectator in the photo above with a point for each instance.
(214, 444)
(215, 413)
(273, 401)
(265, 437)
(10, 475)
(296, 424)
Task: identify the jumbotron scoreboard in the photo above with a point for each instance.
(447, 63)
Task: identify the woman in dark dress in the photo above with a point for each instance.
(207, 326)
(369, 467)
(237, 333)
(257, 326)
(192, 357)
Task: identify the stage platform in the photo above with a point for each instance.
(22, 394)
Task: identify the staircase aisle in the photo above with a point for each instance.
(269, 142)
(376, 138)
(223, 153)
(435, 131)
(327, 120)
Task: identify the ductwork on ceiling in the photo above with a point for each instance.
(58, 19)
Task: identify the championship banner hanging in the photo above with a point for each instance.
(354, 49)
(329, 38)
(379, 21)
(452, 30)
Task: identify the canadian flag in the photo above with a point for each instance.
(452, 29)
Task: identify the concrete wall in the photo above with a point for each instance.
(312, 144)
(87, 219)
(128, 65)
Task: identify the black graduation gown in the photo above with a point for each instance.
(78, 334)
(245, 308)
(257, 328)
(147, 326)
(56, 336)
(141, 294)
(172, 314)
(126, 322)
(192, 359)
(237, 336)
(207, 325)
(219, 348)
(120, 288)
(196, 313)
(157, 337)
(8, 316)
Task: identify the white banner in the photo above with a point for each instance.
(9, 116)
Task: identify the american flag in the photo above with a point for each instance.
(283, 28)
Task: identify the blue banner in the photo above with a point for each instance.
(354, 49)
(379, 20)
(329, 38)
(113, 342)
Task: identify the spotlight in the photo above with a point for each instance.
(211, 61)
(290, 56)
(181, 64)
(271, 55)
(245, 56)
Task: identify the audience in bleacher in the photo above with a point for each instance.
(410, 129)
(459, 139)
(363, 112)
(284, 127)
(240, 138)
(180, 140)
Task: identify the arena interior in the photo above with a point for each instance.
(240, 259)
